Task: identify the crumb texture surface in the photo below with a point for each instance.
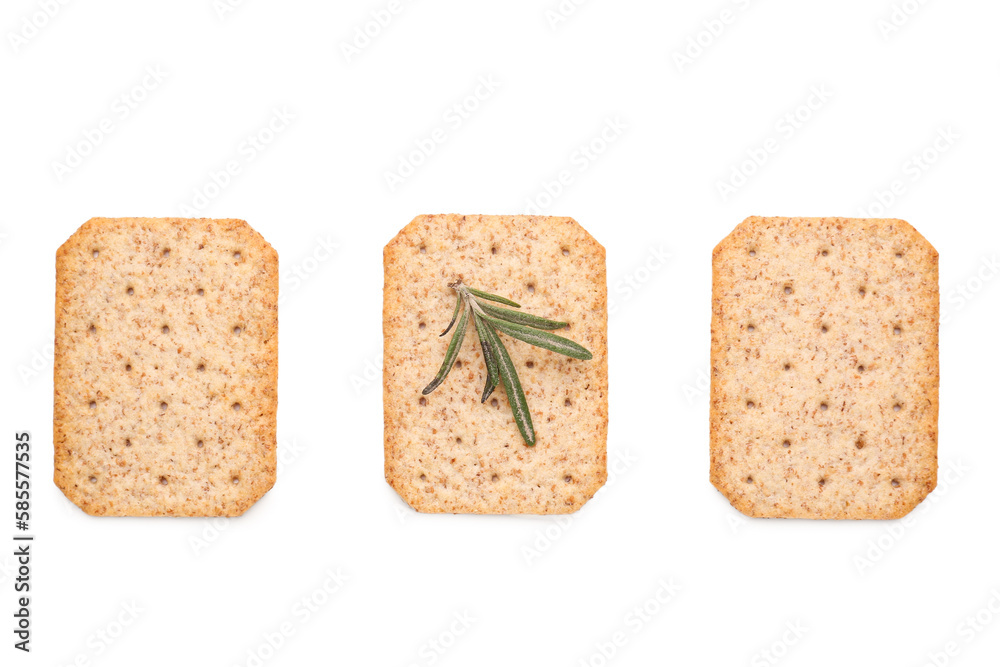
(447, 452)
(166, 367)
(824, 368)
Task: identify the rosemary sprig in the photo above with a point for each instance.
(489, 321)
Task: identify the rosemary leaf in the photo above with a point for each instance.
(542, 339)
(489, 356)
(512, 387)
(452, 354)
(491, 297)
(520, 317)
(454, 316)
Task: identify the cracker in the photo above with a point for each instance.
(824, 368)
(166, 367)
(447, 452)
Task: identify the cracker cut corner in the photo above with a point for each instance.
(447, 452)
(824, 383)
(166, 363)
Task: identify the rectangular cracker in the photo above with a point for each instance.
(166, 367)
(447, 452)
(824, 368)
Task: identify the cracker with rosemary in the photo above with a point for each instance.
(522, 429)
(166, 367)
(824, 368)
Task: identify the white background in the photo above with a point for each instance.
(538, 590)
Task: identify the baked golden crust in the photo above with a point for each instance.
(824, 384)
(450, 453)
(166, 367)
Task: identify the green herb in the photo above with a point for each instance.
(490, 321)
